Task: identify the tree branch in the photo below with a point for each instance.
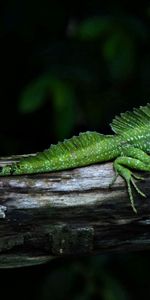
(73, 212)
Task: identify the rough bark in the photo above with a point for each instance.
(73, 212)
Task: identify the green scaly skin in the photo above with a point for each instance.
(129, 147)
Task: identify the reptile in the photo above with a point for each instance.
(128, 147)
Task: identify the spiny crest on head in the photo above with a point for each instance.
(139, 118)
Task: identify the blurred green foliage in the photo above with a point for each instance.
(70, 66)
(119, 38)
(63, 101)
(66, 68)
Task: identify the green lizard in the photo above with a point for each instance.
(129, 147)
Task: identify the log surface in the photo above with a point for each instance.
(72, 212)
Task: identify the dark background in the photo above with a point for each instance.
(67, 68)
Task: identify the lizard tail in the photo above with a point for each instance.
(6, 170)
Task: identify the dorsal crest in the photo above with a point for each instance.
(75, 143)
(139, 118)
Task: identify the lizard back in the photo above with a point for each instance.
(85, 149)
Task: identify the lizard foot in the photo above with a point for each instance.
(128, 177)
(129, 181)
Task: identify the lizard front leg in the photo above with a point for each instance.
(132, 158)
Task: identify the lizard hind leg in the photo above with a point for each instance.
(120, 166)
